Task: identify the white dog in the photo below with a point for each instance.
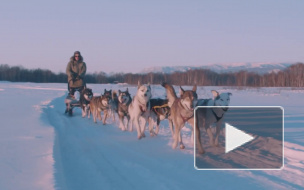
(140, 109)
(207, 116)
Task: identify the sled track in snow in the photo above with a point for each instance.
(96, 156)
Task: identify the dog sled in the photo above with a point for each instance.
(71, 102)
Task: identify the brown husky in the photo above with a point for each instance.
(181, 110)
(98, 104)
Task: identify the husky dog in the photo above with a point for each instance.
(86, 96)
(114, 104)
(140, 108)
(108, 94)
(124, 100)
(207, 116)
(98, 104)
(181, 110)
(160, 110)
(111, 107)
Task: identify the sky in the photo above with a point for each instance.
(128, 36)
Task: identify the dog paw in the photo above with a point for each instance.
(153, 134)
(139, 137)
(181, 146)
(174, 145)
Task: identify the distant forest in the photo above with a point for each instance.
(293, 76)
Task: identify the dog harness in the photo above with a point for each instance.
(217, 117)
(185, 118)
(162, 106)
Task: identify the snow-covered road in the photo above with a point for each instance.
(41, 148)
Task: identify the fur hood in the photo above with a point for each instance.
(73, 57)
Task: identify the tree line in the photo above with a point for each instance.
(293, 76)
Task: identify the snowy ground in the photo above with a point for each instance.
(41, 148)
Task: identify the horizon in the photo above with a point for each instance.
(116, 37)
(231, 67)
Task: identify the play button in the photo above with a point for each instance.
(244, 137)
(235, 138)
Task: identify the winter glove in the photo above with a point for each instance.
(78, 77)
(74, 75)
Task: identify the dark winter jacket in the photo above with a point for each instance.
(76, 71)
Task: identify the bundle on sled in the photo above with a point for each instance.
(70, 103)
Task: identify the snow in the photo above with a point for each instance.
(42, 148)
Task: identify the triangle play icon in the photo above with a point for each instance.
(235, 138)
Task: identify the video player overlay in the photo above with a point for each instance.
(249, 137)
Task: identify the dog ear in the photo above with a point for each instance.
(215, 93)
(181, 91)
(194, 88)
(119, 91)
(138, 84)
(127, 90)
(229, 94)
(105, 91)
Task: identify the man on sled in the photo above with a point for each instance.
(75, 71)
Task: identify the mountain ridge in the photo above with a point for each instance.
(260, 68)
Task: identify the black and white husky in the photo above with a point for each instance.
(124, 100)
(85, 97)
(160, 110)
(108, 94)
(140, 109)
(205, 117)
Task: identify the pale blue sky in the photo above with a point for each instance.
(129, 35)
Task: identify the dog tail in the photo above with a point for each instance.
(171, 95)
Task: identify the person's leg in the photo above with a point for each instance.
(72, 91)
